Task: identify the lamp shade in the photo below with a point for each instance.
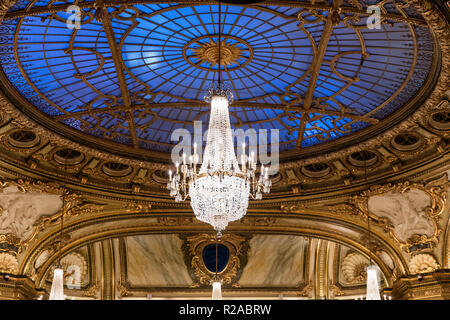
(57, 290)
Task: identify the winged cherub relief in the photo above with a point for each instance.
(19, 211)
(406, 212)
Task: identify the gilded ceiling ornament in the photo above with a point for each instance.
(42, 258)
(353, 267)
(34, 206)
(91, 292)
(413, 229)
(23, 206)
(75, 205)
(289, 208)
(75, 270)
(124, 291)
(306, 291)
(258, 221)
(175, 221)
(124, 286)
(228, 275)
(347, 209)
(5, 5)
(335, 290)
(138, 206)
(208, 52)
(8, 263)
(423, 263)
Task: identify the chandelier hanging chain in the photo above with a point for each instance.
(57, 288)
(368, 216)
(220, 43)
(62, 218)
(217, 256)
(372, 286)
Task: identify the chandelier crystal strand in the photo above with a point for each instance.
(373, 291)
(57, 290)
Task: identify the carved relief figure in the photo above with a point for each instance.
(406, 212)
(423, 263)
(8, 263)
(353, 268)
(21, 210)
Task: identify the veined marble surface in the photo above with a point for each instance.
(274, 260)
(156, 260)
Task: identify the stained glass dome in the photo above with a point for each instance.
(131, 75)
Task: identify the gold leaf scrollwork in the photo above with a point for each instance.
(306, 291)
(75, 205)
(292, 207)
(91, 292)
(335, 290)
(123, 290)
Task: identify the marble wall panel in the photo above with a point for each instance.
(274, 260)
(156, 260)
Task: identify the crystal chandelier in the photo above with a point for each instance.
(220, 188)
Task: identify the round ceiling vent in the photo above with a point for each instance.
(68, 156)
(115, 169)
(363, 158)
(440, 120)
(160, 176)
(406, 142)
(276, 178)
(316, 170)
(23, 139)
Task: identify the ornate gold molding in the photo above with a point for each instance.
(434, 286)
(335, 290)
(74, 205)
(91, 292)
(8, 263)
(197, 243)
(436, 190)
(306, 291)
(124, 288)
